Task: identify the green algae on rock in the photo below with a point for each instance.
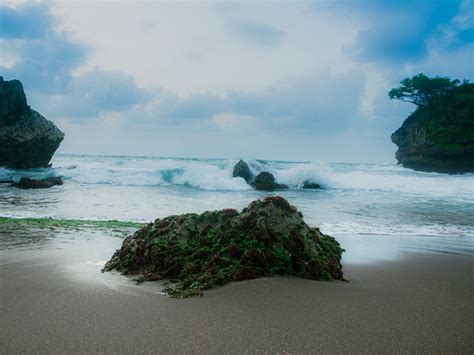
(206, 250)
(67, 223)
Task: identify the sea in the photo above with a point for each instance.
(357, 200)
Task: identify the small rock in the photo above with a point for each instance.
(266, 181)
(241, 169)
(27, 183)
(310, 185)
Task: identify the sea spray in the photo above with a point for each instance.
(216, 175)
(355, 198)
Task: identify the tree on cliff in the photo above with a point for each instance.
(439, 134)
(421, 90)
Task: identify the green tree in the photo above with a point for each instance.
(445, 112)
(422, 90)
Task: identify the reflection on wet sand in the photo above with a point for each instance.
(410, 301)
(93, 244)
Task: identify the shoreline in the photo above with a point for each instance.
(43, 222)
(55, 300)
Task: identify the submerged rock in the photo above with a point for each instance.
(310, 185)
(201, 251)
(27, 183)
(266, 181)
(241, 169)
(27, 139)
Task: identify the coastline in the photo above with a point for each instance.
(55, 300)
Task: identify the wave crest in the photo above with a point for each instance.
(217, 175)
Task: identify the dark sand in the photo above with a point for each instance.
(53, 301)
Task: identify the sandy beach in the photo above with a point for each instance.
(55, 300)
(236, 177)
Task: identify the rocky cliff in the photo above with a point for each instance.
(439, 136)
(27, 139)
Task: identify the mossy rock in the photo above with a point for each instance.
(202, 251)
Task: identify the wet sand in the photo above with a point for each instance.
(55, 300)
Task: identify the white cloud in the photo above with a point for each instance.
(194, 47)
(7, 60)
(230, 120)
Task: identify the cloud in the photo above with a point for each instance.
(459, 32)
(41, 56)
(323, 101)
(231, 120)
(257, 33)
(44, 59)
(31, 20)
(94, 92)
(197, 47)
(398, 32)
(44, 64)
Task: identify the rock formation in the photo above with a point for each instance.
(201, 251)
(27, 183)
(310, 185)
(418, 151)
(241, 169)
(439, 135)
(266, 181)
(27, 139)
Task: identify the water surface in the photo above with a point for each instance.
(356, 199)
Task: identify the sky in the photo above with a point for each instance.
(296, 80)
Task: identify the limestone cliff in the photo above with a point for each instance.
(27, 139)
(439, 136)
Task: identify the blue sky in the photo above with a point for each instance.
(277, 80)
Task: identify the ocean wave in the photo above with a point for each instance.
(7, 175)
(196, 174)
(356, 199)
(399, 229)
(216, 175)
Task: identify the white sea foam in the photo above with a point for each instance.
(217, 175)
(356, 198)
(427, 230)
(160, 172)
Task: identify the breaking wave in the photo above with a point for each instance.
(355, 199)
(214, 175)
